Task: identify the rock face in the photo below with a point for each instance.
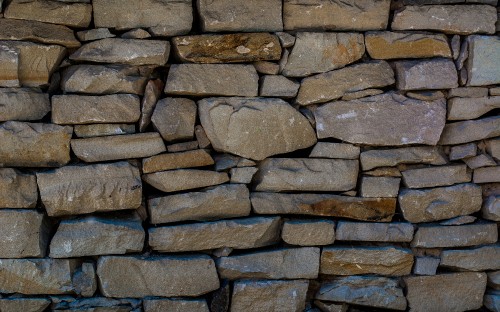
(157, 276)
(436, 176)
(426, 74)
(395, 45)
(477, 259)
(278, 86)
(335, 150)
(96, 130)
(174, 118)
(9, 60)
(440, 203)
(467, 108)
(90, 188)
(23, 104)
(450, 19)
(158, 305)
(407, 155)
(334, 84)
(230, 48)
(262, 296)
(366, 260)
(212, 79)
(34, 144)
(237, 233)
(470, 130)
(17, 190)
(364, 121)
(432, 236)
(374, 232)
(304, 174)
(225, 201)
(308, 232)
(254, 128)
(483, 53)
(161, 18)
(92, 236)
(24, 304)
(451, 292)
(380, 186)
(188, 159)
(184, 179)
(328, 15)
(332, 50)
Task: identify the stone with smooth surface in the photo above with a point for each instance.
(184, 179)
(152, 93)
(242, 175)
(23, 104)
(9, 64)
(335, 150)
(487, 175)
(94, 34)
(374, 232)
(470, 130)
(484, 51)
(463, 151)
(432, 236)
(407, 155)
(426, 74)
(471, 108)
(17, 190)
(379, 186)
(188, 159)
(436, 176)
(175, 305)
(468, 92)
(24, 304)
(425, 265)
(278, 86)
(174, 118)
(308, 232)
(97, 130)
(66, 303)
(476, 259)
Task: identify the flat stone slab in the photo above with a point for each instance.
(476, 259)
(374, 232)
(471, 108)
(364, 121)
(24, 304)
(434, 236)
(17, 190)
(158, 305)
(303, 232)
(406, 155)
(174, 118)
(94, 303)
(487, 175)
(335, 150)
(428, 74)
(152, 93)
(184, 179)
(23, 104)
(237, 233)
(470, 130)
(85, 189)
(278, 86)
(97, 130)
(167, 161)
(484, 51)
(379, 186)
(436, 176)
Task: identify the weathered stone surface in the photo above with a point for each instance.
(335, 150)
(267, 68)
(306, 174)
(436, 176)
(278, 86)
(34, 144)
(124, 51)
(426, 74)
(491, 208)
(470, 130)
(366, 260)
(212, 79)
(440, 203)
(380, 186)
(484, 52)
(481, 160)
(93, 236)
(164, 276)
(14, 29)
(17, 190)
(175, 305)
(425, 265)
(240, 15)
(9, 64)
(331, 51)
(476, 259)
(366, 209)
(184, 179)
(54, 12)
(432, 236)
(407, 155)
(24, 304)
(359, 15)
(174, 118)
(152, 93)
(115, 147)
(94, 34)
(468, 92)
(487, 175)
(228, 48)
(331, 306)
(162, 18)
(461, 220)
(242, 175)
(370, 291)
(384, 172)
(96, 130)
(84, 189)
(395, 45)
(264, 296)
(23, 104)
(137, 33)
(25, 233)
(335, 84)
(308, 232)
(238, 234)
(374, 232)
(446, 292)
(188, 159)
(365, 121)
(45, 276)
(494, 280)
(254, 128)
(463, 151)
(66, 303)
(182, 147)
(493, 148)
(225, 201)
(450, 19)
(471, 108)
(361, 94)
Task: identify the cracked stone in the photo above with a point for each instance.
(407, 155)
(97, 130)
(175, 305)
(152, 93)
(484, 52)
(184, 179)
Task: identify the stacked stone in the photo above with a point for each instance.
(249, 155)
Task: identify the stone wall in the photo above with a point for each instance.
(249, 155)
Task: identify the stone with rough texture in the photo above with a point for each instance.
(481, 160)
(370, 291)
(166, 276)
(446, 292)
(34, 144)
(115, 147)
(426, 74)
(97, 130)
(25, 233)
(212, 79)
(284, 263)
(84, 189)
(94, 34)
(242, 175)
(265, 296)
(331, 51)
(450, 19)
(182, 147)
(471, 108)
(335, 84)
(175, 305)
(379, 186)
(359, 15)
(188, 159)
(224, 201)
(174, 118)
(365, 121)
(23, 104)
(124, 51)
(308, 232)
(17, 190)
(407, 155)
(254, 128)
(137, 33)
(335, 150)
(436, 176)
(484, 52)
(93, 236)
(461, 220)
(95, 304)
(432, 236)
(487, 175)
(440, 203)
(184, 179)
(389, 261)
(238, 234)
(396, 45)
(476, 259)
(491, 208)
(468, 92)
(228, 48)
(152, 93)
(493, 148)
(306, 174)
(278, 86)
(463, 151)
(470, 130)
(9, 64)
(161, 18)
(374, 232)
(24, 304)
(240, 15)
(358, 208)
(425, 265)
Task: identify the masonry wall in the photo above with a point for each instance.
(249, 155)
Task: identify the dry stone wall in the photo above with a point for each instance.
(249, 155)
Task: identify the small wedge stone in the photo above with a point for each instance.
(335, 150)
(97, 130)
(184, 179)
